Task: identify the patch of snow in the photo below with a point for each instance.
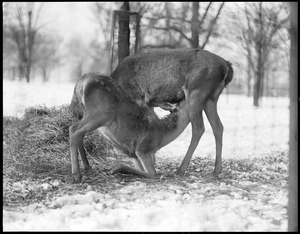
(92, 212)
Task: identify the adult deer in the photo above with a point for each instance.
(135, 130)
(166, 77)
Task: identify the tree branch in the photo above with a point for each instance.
(38, 15)
(171, 46)
(171, 28)
(204, 16)
(213, 22)
(164, 17)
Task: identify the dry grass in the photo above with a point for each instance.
(38, 143)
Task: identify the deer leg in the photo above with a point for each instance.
(212, 115)
(195, 103)
(197, 132)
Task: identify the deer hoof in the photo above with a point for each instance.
(216, 172)
(76, 178)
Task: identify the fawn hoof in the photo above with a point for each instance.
(115, 171)
(88, 170)
(76, 178)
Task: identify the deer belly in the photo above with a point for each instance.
(172, 94)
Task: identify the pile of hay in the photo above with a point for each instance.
(39, 141)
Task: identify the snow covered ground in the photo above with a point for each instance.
(90, 212)
(248, 133)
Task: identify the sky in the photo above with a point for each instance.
(70, 18)
(75, 18)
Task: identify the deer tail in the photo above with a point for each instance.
(75, 107)
(229, 75)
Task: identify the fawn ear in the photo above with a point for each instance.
(141, 103)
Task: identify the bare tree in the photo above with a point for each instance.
(195, 31)
(195, 25)
(24, 26)
(262, 25)
(10, 51)
(212, 24)
(47, 54)
(103, 14)
(78, 55)
(293, 142)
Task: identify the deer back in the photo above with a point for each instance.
(159, 77)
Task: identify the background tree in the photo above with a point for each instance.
(293, 142)
(47, 55)
(77, 55)
(263, 22)
(190, 26)
(10, 51)
(102, 12)
(23, 27)
(124, 32)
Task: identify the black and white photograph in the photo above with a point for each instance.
(150, 116)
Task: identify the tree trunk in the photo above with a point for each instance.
(184, 10)
(249, 78)
(27, 71)
(293, 142)
(21, 70)
(195, 26)
(45, 76)
(262, 82)
(257, 87)
(168, 16)
(124, 32)
(13, 73)
(137, 34)
(260, 65)
(258, 81)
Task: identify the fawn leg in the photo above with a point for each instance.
(138, 170)
(84, 160)
(147, 162)
(77, 133)
(144, 167)
(137, 164)
(74, 142)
